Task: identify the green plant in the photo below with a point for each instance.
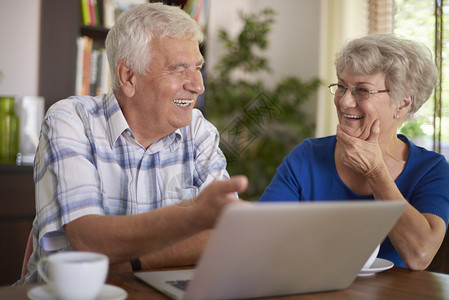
(412, 127)
(258, 126)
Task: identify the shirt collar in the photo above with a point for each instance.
(170, 141)
(117, 124)
(115, 119)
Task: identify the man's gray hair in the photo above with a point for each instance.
(129, 39)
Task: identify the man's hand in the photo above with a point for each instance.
(216, 196)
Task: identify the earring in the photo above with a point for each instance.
(396, 116)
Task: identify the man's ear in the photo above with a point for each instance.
(126, 79)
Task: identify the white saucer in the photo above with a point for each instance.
(108, 292)
(378, 265)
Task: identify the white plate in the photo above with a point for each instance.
(378, 265)
(108, 292)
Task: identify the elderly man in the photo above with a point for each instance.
(125, 174)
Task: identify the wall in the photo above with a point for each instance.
(340, 21)
(294, 39)
(19, 51)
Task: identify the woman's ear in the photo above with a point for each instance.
(404, 106)
(126, 79)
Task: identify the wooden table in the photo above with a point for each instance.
(396, 283)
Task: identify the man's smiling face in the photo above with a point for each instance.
(168, 93)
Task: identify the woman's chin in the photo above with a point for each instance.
(357, 133)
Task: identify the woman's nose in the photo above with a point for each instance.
(348, 99)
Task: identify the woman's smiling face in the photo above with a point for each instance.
(358, 116)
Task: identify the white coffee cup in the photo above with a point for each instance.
(75, 274)
(372, 258)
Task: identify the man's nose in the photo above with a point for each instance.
(194, 83)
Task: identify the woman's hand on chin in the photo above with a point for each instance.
(363, 156)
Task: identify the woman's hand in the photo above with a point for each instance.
(361, 155)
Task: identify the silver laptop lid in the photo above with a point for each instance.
(269, 249)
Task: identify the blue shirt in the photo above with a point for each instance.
(89, 162)
(309, 173)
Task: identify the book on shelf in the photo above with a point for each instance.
(113, 8)
(105, 75)
(105, 12)
(85, 12)
(198, 10)
(90, 12)
(92, 69)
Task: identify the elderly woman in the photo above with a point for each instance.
(382, 80)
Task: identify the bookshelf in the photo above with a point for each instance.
(61, 26)
(95, 32)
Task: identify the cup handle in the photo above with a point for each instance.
(41, 271)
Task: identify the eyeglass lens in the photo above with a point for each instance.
(357, 92)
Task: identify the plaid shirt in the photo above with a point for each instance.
(89, 162)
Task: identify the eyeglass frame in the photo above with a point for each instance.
(353, 91)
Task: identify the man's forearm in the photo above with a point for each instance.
(125, 237)
(184, 253)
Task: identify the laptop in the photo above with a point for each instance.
(274, 249)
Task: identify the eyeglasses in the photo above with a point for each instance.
(357, 92)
